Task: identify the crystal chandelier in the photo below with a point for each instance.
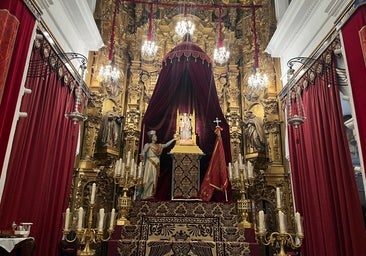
(184, 27)
(149, 47)
(256, 81)
(221, 54)
(110, 73)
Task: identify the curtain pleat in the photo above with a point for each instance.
(324, 184)
(41, 164)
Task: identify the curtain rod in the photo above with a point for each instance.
(319, 50)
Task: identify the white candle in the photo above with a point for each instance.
(230, 172)
(128, 158)
(240, 161)
(250, 169)
(135, 173)
(140, 170)
(261, 223)
(281, 221)
(101, 219)
(92, 198)
(298, 224)
(111, 224)
(236, 170)
(278, 197)
(123, 170)
(80, 219)
(67, 219)
(245, 172)
(117, 170)
(133, 168)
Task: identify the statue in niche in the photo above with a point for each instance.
(111, 129)
(254, 132)
(186, 134)
(185, 129)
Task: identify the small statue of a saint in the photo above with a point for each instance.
(185, 129)
(111, 129)
(186, 134)
(254, 132)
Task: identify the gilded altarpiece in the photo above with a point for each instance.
(141, 75)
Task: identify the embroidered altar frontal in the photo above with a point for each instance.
(186, 175)
(184, 229)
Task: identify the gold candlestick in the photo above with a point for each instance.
(128, 178)
(244, 207)
(242, 183)
(124, 205)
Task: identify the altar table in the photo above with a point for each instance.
(17, 246)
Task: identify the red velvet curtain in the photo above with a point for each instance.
(8, 33)
(357, 69)
(323, 179)
(185, 82)
(41, 164)
(17, 64)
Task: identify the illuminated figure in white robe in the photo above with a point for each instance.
(185, 128)
(151, 156)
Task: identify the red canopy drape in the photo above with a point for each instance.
(323, 179)
(185, 82)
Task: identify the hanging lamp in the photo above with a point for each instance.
(76, 116)
(295, 108)
(149, 47)
(110, 72)
(221, 54)
(185, 26)
(256, 80)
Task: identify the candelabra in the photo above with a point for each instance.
(87, 235)
(242, 178)
(282, 237)
(126, 175)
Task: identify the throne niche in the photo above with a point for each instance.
(185, 89)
